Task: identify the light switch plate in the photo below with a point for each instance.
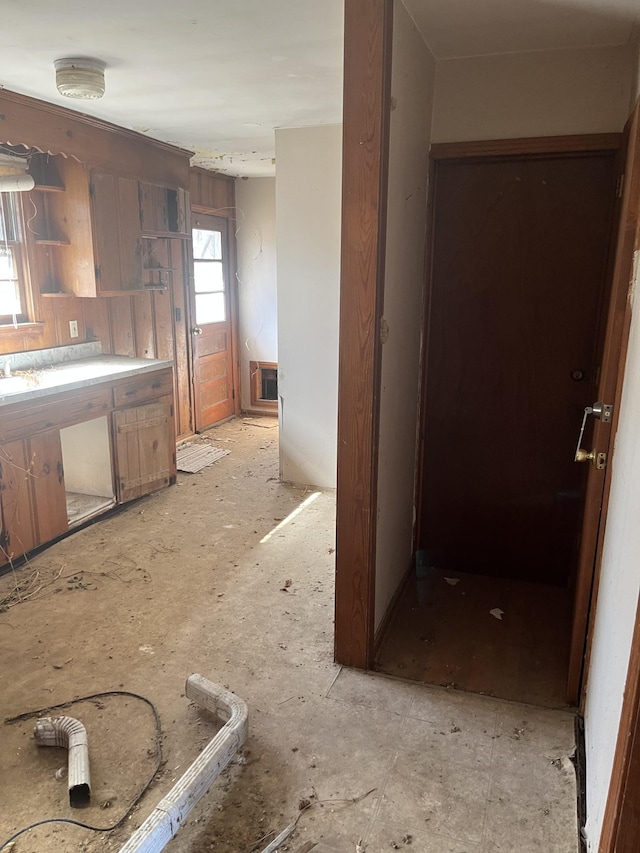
(73, 328)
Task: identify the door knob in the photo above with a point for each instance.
(603, 412)
(196, 330)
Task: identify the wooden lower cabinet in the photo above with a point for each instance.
(33, 492)
(17, 526)
(47, 483)
(145, 449)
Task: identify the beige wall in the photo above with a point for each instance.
(412, 82)
(255, 225)
(533, 94)
(308, 205)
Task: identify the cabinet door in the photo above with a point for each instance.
(117, 238)
(145, 449)
(164, 212)
(47, 481)
(17, 530)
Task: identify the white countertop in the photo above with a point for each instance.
(37, 382)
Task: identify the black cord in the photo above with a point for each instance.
(29, 714)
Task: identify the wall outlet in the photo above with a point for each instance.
(73, 328)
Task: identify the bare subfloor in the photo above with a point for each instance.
(181, 582)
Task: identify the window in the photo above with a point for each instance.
(12, 290)
(209, 277)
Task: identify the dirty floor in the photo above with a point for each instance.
(502, 637)
(217, 576)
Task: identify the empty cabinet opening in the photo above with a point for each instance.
(88, 478)
(264, 384)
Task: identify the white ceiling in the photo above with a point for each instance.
(458, 28)
(217, 76)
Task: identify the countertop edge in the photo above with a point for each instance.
(39, 393)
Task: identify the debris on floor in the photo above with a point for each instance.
(452, 581)
(192, 458)
(497, 613)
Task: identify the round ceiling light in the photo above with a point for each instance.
(80, 78)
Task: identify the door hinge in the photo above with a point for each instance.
(97, 269)
(92, 190)
(620, 185)
(5, 541)
(233, 394)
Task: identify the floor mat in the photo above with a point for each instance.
(194, 457)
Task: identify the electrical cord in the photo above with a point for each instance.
(29, 714)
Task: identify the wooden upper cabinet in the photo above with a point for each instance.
(87, 236)
(164, 211)
(117, 237)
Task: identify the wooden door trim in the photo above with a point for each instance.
(529, 146)
(618, 340)
(367, 110)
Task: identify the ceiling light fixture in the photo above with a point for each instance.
(79, 77)
(14, 177)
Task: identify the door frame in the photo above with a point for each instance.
(620, 826)
(227, 214)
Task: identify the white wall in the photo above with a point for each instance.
(257, 298)
(87, 458)
(617, 597)
(546, 93)
(308, 211)
(413, 73)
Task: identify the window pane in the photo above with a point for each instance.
(9, 298)
(207, 245)
(210, 308)
(208, 276)
(9, 288)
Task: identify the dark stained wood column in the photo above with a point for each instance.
(367, 94)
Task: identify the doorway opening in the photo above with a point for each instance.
(520, 275)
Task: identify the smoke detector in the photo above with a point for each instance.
(78, 77)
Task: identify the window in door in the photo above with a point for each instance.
(12, 273)
(209, 284)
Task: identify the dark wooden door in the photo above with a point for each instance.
(519, 260)
(212, 321)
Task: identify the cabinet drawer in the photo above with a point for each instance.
(32, 418)
(148, 387)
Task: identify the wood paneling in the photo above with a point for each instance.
(367, 83)
(56, 130)
(212, 193)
